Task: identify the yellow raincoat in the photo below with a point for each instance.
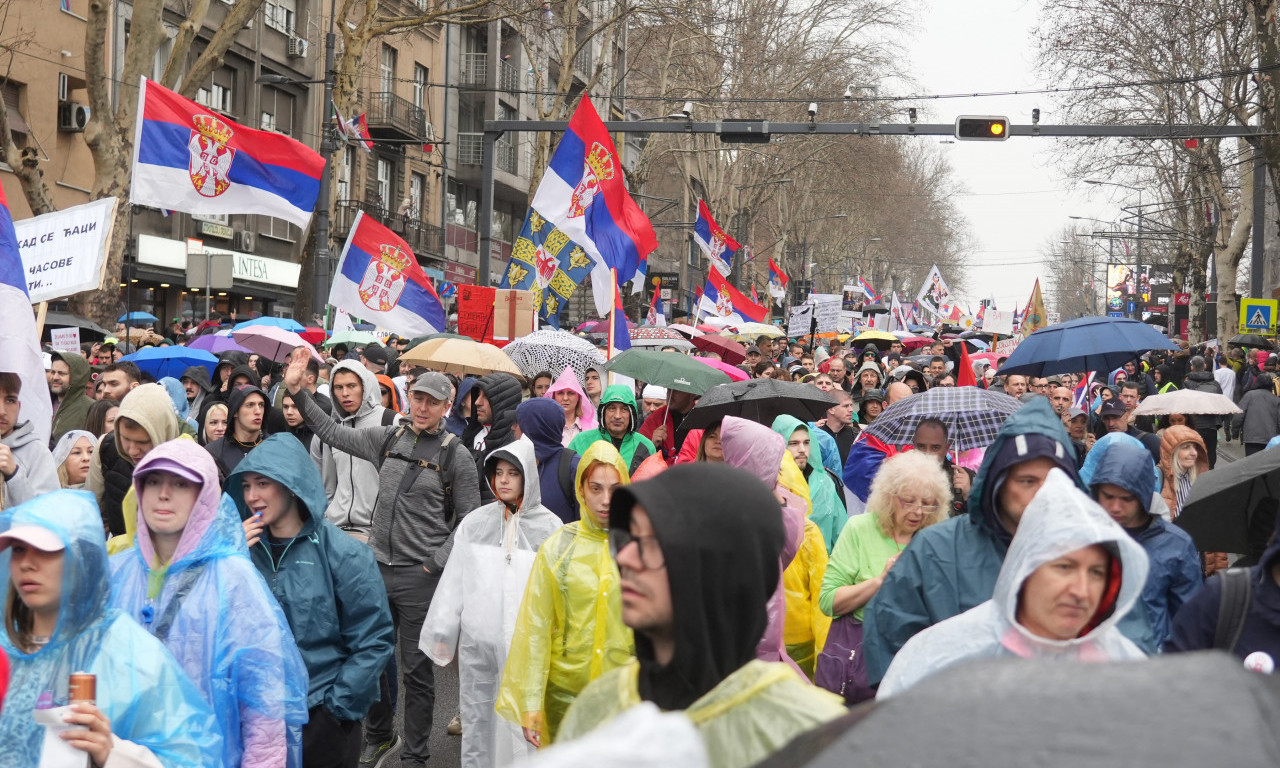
(750, 715)
(569, 630)
(806, 626)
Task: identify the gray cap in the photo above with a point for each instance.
(434, 384)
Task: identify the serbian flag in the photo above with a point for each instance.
(619, 336)
(378, 279)
(360, 132)
(718, 246)
(657, 313)
(719, 299)
(868, 290)
(19, 343)
(777, 281)
(191, 159)
(584, 195)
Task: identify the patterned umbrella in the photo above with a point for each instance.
(973, 416)
(552, 350)
(688, 331)
(659, 336)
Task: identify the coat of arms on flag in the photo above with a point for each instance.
(597, 168)
(546, 261)
(210, 164)
(713, 240)
(383, 280)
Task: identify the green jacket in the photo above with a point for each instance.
(828, 511)
(634, 447)
(74, 407)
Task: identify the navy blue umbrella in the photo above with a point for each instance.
(1084, 344)
(171, 361)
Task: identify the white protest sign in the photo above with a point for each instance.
(65, 339)
(1005, 347)
(64, 252)
(826, 307)
(998, 321)
(798, 320)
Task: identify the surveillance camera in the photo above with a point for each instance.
(688, 109)
(813, 109)
(848, 91)
(911, 114)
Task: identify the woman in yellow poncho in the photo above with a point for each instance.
(570, 628)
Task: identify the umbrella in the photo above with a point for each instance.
(729, 350)
(1084, 344)
(1250, 340)
(753, 331)
(732, 371)
(659, 336)
(68, 320)
(171, 361)
(599, 326)
(351, 338)
(1227, 503)
(760, 400)
(138, 317)
(915, 342)
(313, 335)
(552, 350)
(419, 339)
(973, 416)
(215, 343)
(1020, 712)
(874, 335)
(667, 369)
(288, 324)
(688, 331)
(1190, 401)
(461, 356)
(272, 342)
(921, 329)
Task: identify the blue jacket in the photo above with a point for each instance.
(541, 419)
(140, 688)
(327, 583)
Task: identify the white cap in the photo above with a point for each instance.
(36, 536)
(653, 392)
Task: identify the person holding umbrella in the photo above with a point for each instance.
(618, 417)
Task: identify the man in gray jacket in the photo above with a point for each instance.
(25, 461)
(426, 483)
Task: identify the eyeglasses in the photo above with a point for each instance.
(917, 504)
(650, 553)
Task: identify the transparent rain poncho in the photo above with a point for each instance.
(570, 628)
(1059, 520)
(214, 612)
(473, 612)
(140, 687)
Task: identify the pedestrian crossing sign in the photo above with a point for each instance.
(1258, 316)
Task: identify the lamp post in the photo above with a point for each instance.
(804, 243)
(1093, 291)
(742, 222)
(1138, 249)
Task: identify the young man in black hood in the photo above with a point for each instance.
(247, 410)
(694, 588)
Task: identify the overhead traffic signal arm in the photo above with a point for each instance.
(982, 128)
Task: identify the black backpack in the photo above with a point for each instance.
(1233, 608)
(441, 462)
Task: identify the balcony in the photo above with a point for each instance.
(583, 60)
(505, 156)
(392, 117)
(508, 77)
(425, 239)
(475, 69)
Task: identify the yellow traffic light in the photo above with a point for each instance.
(982, 128)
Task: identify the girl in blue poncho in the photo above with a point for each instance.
(189, 581)
(146, 711)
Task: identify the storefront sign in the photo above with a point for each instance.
(64, 252)
(216, 230)
(459, 273)
(172, 254)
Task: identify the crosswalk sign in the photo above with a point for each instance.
(1258, 316)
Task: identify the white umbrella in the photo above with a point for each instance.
(551, 350)
(1189, 401)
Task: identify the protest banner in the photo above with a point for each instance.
(64, 252)
(65, 339)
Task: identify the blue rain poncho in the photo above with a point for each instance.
(140, 687)
(213, 611)
(828, 511)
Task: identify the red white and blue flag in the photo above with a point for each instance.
(657, 313)
(18, 338)
(713, 241)
(189, 158)
(619, 336)
(584, 195)
(777, 281)
(378, 279)
(719, 299)
(868, 290)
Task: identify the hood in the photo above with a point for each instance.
(200, 376)
(150, 406)
(1061, 519)
(1126, 463)
(784, 425)
(246, 370)
(24, 433)
(1111, 377)
(752, 447)
(542, 421)
(1175, 436)
(213, 528)
(62, 449)
(283, 459)
(227, 362)
(504, 393)
(519, 452)
(599, 452)
(397, 402)
(870, 366)
(455, 422)
(236, 398)
(80, 371)
(372, 394)
(1035, 430)
(722, 565)
(569, 380)
(618, 393)
(1100, 450)
(178, 396)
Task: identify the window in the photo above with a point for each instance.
(464, 205)
(279, 229)
(278, 105)
(268, 122)
(18, 129)
(344, 173)
(420, 77)
(417, 190)
(382, 184)
(387, 69)
(220, 93)
(213, 218)
(281, 15)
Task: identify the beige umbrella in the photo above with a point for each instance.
(1189, 401)
(461, 356)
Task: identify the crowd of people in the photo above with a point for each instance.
(262, 562)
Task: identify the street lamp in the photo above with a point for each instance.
(1137, 250)
(804, 242)
(742, 219)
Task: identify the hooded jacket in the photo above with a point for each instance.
(73, 408)
(569, 630)
(111, 470)
(351, 483)
(36, 473)
(1174, 574)
(140, 687)
(1173, 437)
(227, 362)
(1260, 420)
(856, 389)
(828, 511)
(326, 582)
(542, 421)
(719, 565)
(198, 375)
(178, 396)
(504, 393)
(227, 451)
(586, 420)
(211, 609)
(473, 612)
(455, 422)
(1059, 520)
(398, 404)
(634, 447)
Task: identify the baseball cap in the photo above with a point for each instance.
(434, 384)
(375, 354)
(1112, 408)
(1075, 412)
(753, 349)
(872, 394)
(173, 465)
(36, 536)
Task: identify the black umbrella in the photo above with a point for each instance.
(88, 328)
(760, 400)
(1019, 713)
(1225, 503)
(1252, 340)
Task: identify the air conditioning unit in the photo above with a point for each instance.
(297, 48)
(243, 241)
(64, 87)
(72, 117)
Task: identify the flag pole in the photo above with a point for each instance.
(613, 312)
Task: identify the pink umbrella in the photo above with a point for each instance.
(215, 343)
(687, 330)
(732, 371)
(272, 342)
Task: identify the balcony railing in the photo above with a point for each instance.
(423, 238)
(506, 157)
(583, 61)
(391, 116)
(508, 77)
(470, 148)
(475, 69)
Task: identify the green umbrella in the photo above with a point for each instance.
(667, 369)
(351, 339)
(415, 342)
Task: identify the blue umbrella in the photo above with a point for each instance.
(138, 317)
(1084, 344)
(171, 361)
(286, 323)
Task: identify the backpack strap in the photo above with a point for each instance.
(389, 417)
(1233, 608)
(565, 475)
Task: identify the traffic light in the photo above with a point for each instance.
(982, 128)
